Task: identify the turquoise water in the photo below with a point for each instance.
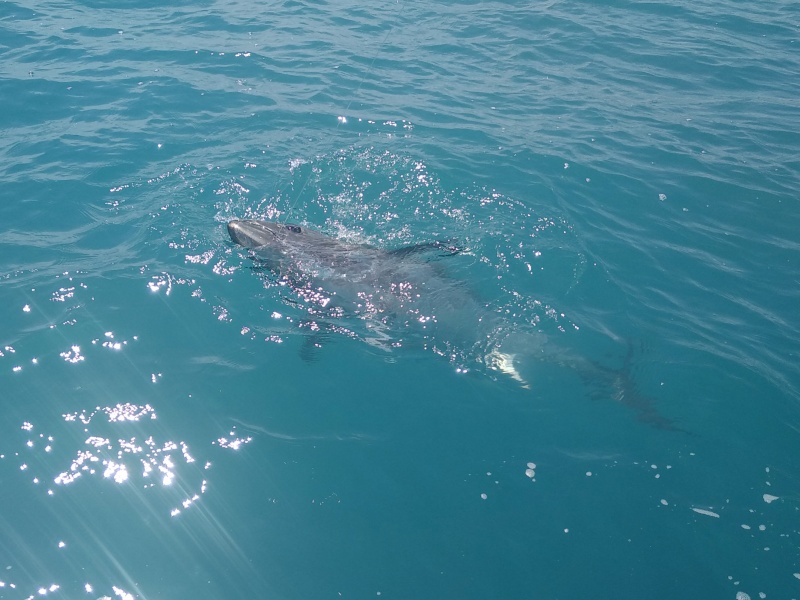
(624, 182)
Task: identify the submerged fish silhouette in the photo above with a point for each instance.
(404, 291)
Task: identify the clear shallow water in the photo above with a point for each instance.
(625, 178)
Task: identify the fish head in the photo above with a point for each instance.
(256, 234)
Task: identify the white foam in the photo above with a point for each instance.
(708, 513)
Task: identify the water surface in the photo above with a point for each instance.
(624, 179)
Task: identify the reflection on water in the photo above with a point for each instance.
(104, 470)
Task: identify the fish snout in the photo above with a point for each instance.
(236, 231)
(252, 234)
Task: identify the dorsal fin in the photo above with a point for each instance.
(446, 249)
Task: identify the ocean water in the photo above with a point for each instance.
(622, 180)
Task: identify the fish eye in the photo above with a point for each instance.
(294, 228)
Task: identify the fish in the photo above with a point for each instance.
(406, 293)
